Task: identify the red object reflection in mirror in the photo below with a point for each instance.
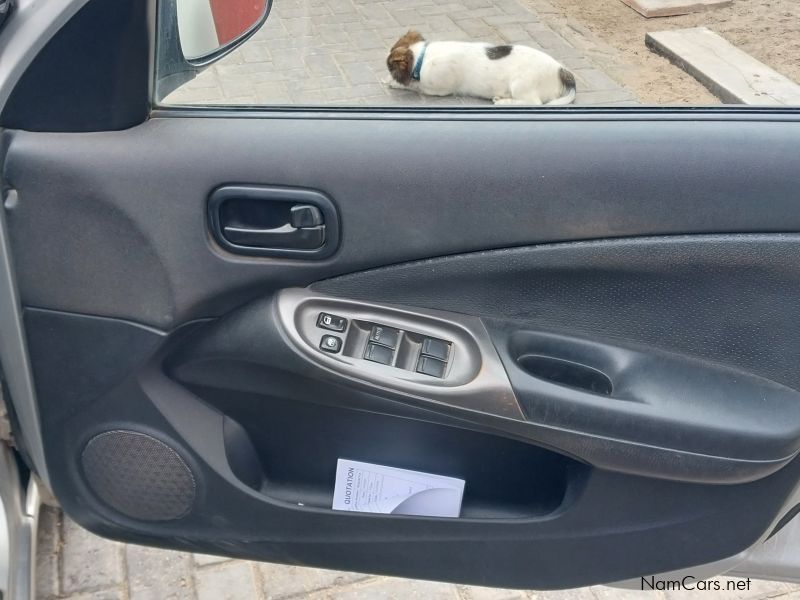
(233, 17)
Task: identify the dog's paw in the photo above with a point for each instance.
(391, 83)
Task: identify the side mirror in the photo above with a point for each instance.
(208, 29)
(192, 34)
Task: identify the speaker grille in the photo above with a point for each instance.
(138, 475)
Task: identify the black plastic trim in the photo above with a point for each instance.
(93, 74)
(478, 113)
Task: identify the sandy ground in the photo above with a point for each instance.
(769, 30)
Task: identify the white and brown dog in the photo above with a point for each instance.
(504, 74)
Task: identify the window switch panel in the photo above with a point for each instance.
(379, 354)
(435, 348)
(431, 366)
(385, 336)
(331, 322)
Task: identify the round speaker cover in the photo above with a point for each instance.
(138, 475)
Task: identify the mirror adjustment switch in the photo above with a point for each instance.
(431, 366)
(385, 336)
(331, 322)
(330, 343)
(435, 348)
(379, 354)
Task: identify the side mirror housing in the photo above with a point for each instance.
(193, 34)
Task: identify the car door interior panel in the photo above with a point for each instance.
(593, 324)
(553, 181)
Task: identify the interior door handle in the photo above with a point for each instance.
(273, 221)
(304, 231)
(284, 237)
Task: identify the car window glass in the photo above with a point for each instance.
(457, 53)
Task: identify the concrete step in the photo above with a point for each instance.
(671, 8)
(733, 76)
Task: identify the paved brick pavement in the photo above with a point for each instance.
(73, 564)
(334, 51)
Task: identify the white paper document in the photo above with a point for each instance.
(364, 487)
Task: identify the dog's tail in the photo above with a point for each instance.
(568, 86)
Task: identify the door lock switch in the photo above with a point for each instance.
(330, 343)
(434, 348)
(379, 354)
(331, 322)
(431, 366)
(385, 336)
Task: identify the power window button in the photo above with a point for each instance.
(331, 322)
(435, 348)
(379, 354)
(385, 336)
(430, 366)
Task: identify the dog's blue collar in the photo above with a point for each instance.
(418, 65)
